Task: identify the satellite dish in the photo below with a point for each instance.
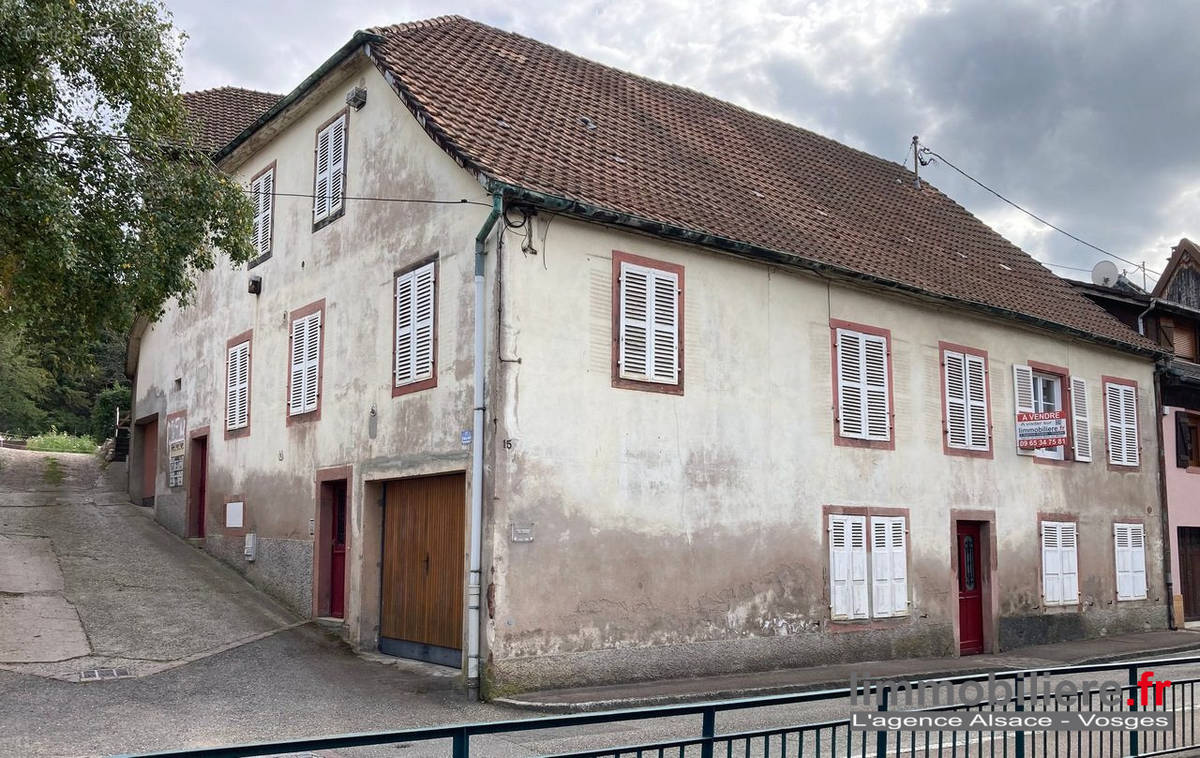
(1105, 273)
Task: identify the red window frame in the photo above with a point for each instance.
(618, 381)
(315, 414)
(246, 336)
(1064, 380)
(1104, 382)
(987, 400)
(431, 382)
(838, 439)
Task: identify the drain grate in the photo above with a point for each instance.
(99, 675)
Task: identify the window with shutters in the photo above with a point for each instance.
(966, 411)
(862, 385)
(868, 563)
(262, 197)
(647, 324)
(304, 362)
(237, 386)
(1060, 563)
(1043, 388)
(1121, 423)
(329, 171)
(415, 350)
(848, 597)
(1129, 541)
(1187, 441)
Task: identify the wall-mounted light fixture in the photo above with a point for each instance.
(357, 98)
(255, 286)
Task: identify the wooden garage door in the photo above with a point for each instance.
(423, 538)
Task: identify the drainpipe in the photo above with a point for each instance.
(1143, 314)
(474, 626)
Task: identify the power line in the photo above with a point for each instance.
(1031, 214)
(420, 200)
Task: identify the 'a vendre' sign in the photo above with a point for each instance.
(1046, 429)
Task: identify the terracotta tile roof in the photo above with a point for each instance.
(222, 113)
(537, 117)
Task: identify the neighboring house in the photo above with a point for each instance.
(1170, 315)
(222, 113)
(682, 389)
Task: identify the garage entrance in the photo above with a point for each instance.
(421, 613)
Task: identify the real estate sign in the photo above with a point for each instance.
(1038, 430)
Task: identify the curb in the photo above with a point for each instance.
(788, 689)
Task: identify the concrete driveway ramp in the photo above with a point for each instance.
(40, 629)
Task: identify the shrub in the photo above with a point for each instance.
(55, 441)
(104, 410)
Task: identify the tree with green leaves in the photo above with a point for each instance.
(107, 207)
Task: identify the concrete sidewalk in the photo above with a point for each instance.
(1103, 650)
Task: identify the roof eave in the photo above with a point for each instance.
(597, 214)
(356, 42)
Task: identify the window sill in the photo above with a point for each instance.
(1122, 468)
(319, 225)
(841, 626)
(967, 453)
(304, 418)
(656, 387)
(411, 387)
(840, 441)
(260, 259)
(1133, 599)
(231, 434)
(1053, 461)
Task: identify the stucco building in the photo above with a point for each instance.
(566, 376)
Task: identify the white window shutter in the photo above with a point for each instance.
(1068, 548)
(337, 164)
(851, 405)
(635, 325)
(296, 377)
(321, 177)
(977, 410)
(665, 338)
(958, 424)
(1123, 561)
(1051, 564)
(237, 387)
(1137, 558)
(1120, 405)
(899, 566)
(839, 567)
(881, 567)
(649, 324)
(1022, 395)
(312, 362)
(876, 387)
(261, 191)
(415, 301)
(1081, 428)
(858, 566)
(404, 329)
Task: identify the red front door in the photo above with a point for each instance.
(970, 590)
(149, 461)
(337, 558)
(199, 488)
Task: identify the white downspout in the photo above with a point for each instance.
(474, 581)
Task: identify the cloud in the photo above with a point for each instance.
(1084, 112)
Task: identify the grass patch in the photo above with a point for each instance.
(53, 473)
(60, 442)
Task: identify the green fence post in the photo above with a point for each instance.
(881, 735)
(1133, 735)
(708, 730)
(1019, 741)
(462, 744)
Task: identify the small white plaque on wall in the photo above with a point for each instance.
(233, 515)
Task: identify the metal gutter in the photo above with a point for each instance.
(359, 39)
(474, 626)
(589, 212)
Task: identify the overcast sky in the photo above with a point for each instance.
(1087, 113)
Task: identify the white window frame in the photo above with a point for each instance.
(649, 324)
(969, 372)
(1040, 405)
(329, 169)
(237, 386)
(864, 394)
(1121, 424)
(416, 304)
(1129, 552)
(262, 194)
(1060, 563)
(305, 365)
